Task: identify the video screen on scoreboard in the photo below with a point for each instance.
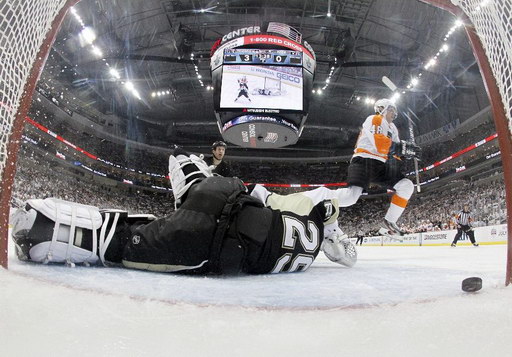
(262, 87)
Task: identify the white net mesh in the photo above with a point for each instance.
(493, 24)
(23, 28)
(271, 83)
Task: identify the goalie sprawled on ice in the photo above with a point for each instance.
(271, 86)
(219, 227)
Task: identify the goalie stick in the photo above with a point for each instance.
(393, 88)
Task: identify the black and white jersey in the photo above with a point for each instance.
(297, 232)
(222, 169)
(464, 218)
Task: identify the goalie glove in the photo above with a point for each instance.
(410, 150)
(339, 249)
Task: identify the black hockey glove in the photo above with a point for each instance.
(410, 150)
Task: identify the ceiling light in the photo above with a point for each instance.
(445, 47)
(88, 35)
(199, 76)
(328, 14)
(153, 94)
(395, 97)
(414, 81)
(358, 98)
(129, 85)
(114, 73)
(96, 51)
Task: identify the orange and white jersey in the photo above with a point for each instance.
(375, 138)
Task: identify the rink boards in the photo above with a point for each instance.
(483, 235)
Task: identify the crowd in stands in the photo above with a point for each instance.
(432, 153)
(125, 155)
(432, 211)
(37, 177)
(290, 172)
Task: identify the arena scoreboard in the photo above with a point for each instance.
(262, 85)
(266, 57)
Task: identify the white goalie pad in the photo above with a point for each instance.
(339, 249)
(62, 243)
(68, 213)
(178, 178)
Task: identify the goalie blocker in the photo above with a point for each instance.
(218, 229)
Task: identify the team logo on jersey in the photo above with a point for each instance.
(136, 239)
(329, 210)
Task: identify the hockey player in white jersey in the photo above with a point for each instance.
(243, 89)
(377, 155)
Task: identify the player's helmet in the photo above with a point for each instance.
(219, 143)
(243, 79)
(382, 105)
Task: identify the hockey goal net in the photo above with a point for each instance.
(272, 84)
(28, 28)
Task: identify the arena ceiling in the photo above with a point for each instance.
(150, 43)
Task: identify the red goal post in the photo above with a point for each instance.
(488, 25)
(27, 32)
(28, 29)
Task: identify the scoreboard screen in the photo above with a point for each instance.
(260, 56)
(264, 87)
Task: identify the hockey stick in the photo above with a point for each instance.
(393, 238)
(393, 88)
(390, 236)
(411, 137)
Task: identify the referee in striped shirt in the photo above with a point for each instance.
(463, 220)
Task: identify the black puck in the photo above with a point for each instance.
(472, 284)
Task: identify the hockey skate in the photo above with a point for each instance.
(184, 171)
(391, 230)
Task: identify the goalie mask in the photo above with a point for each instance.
(383, 105)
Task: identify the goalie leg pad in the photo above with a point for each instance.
(53, 230)
(58, 231)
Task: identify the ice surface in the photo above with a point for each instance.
(396, 301)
